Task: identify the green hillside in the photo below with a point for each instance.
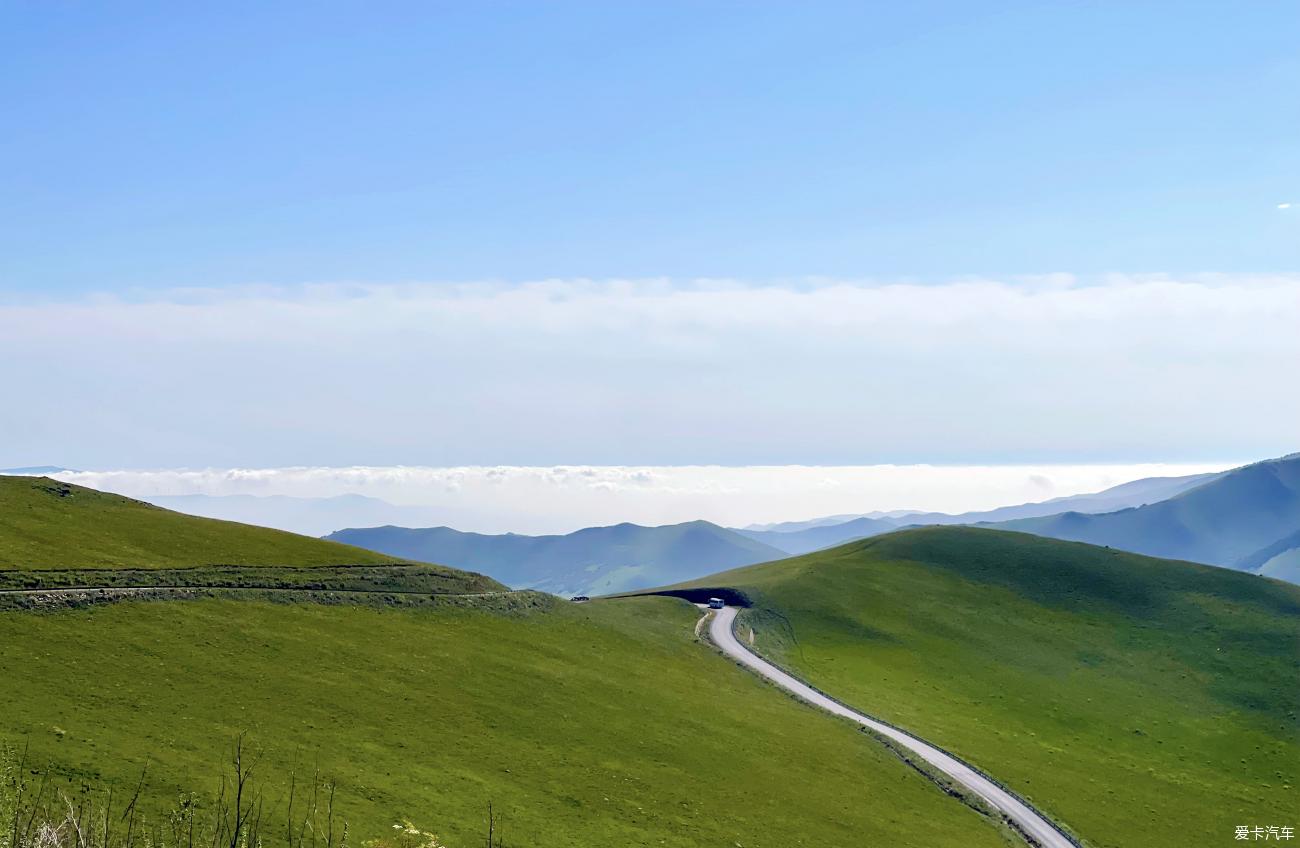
(601, 724)
(1139, 701)
(584, 725)
(1239, 519)
(46, 524)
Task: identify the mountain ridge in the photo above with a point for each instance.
(806, 536)
(1239, 520)
(592, 560)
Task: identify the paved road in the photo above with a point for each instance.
(1029, 821)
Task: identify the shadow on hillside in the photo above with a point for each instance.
(732, 597)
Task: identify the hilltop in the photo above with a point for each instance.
(1117, 692)
(47, 524)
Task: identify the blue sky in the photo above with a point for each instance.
(155, 146)
(660, 234)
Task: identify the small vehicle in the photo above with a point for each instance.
(716, 603)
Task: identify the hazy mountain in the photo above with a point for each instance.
(1245, 519)
(794, 526)
(595, 560)
(309, 516)
(823, 536)
(799, 537)
(34, 470)
(1134, 493)
(1283, 566)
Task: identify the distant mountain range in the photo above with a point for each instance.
(595, 560)
(1247, 519)
(309, 516)
(792, 526)
(814, 538)
(801, 537)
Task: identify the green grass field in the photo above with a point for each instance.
(1139, 701)
(603, 724)
(45, 524)
(398, 578)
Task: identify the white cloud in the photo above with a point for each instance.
(651, 371)
(564, 498)
(1284, 206)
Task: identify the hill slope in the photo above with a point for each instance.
(1236, 520)
(1118, 692)
(584, 725)
(597, 724)
(46, 524)
(595, 560)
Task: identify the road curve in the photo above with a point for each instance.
(1038, 828)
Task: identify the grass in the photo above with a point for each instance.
(426, 579)
(46, 524)
(602, 724)
(1138, 701)
(36, 812)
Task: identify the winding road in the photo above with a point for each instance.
(1030, 822)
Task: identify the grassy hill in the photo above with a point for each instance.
(589, 725)
(1234, 520)
(597, 724)
(592, 561)
(46, 524)
(1139, 701)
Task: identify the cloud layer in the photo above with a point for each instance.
(616, 372)
(564, 498)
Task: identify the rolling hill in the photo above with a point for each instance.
(586, 726)
(596, 724)
(595, 560)
(1243, 519)
(46, 524)
(1119, 693)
